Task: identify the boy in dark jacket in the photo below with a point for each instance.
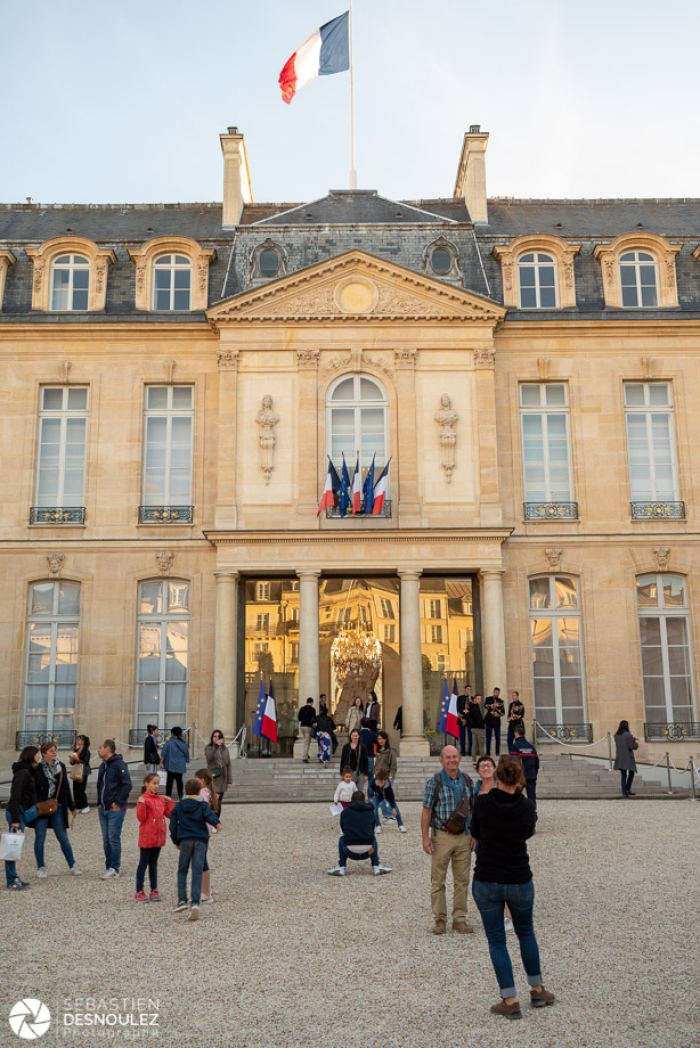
(530, 761)
(357, 839)
(380, 789)
(189, 834)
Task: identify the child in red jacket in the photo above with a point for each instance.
(151, 811)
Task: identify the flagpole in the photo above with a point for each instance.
(352, 181)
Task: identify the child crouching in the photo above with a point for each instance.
(189, 834)
(380, 789)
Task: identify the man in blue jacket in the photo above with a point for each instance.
(357, 839)
(528, 758)
(113, 789)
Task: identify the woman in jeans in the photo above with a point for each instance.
(81, 756)
(502, 821)
(21, 807)
(51, 781)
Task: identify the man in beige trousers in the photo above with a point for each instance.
(443, 793)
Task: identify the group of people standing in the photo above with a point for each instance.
(321, 726)
(480, 722)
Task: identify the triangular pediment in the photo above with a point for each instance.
(356, 287)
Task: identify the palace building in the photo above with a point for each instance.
(175, 379)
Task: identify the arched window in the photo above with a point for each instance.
(70, 283)
(162, 664)
(357, 421)
(172, 283)
(537, 280)
(555, 645)
(268, 260)
(664, 636)
(51, 667)
(441, 260)
(639, 279)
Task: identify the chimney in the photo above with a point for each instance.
(471, 175)
(237, 187)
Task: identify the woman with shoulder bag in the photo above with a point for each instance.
(21, 807)
(54, 801)
(150, 748)
(80, 770)
(218, 763)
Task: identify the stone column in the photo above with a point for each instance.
(309, 460)
(309, 679)
(225, 511)
(413, 741)
(493, 632)
(225, 650)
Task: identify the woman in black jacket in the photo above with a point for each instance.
(51, 781)
(354, 755)
(502, 821)
(82, 757)
(151, 757)
(20, 807)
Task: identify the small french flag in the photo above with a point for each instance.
(357, 488)
(331, 489)
(380, 490)
(326, 51)
(268, 728)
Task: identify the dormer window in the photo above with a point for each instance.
(70, 283)
(538, 281)
(172, 283)
(267, 261)
(639, 279)
(441, 260)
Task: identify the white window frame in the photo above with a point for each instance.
(173, 264)
(55, 621)
(553, 614)
(536, 261)
(72, 263)
(546, 413)
(654, 451)
(663, 613)
(362, 441)
(159, 621)
(635, 261)
(66, 416)
(169, 414)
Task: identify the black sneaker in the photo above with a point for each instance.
(182, 905)
(17, 885)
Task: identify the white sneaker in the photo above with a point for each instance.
(508, 924)
(193, 914)
(108, 873)
(377, 829)
(402, 829)
(381, 869)
(84, 811)
(76, 870)
(337, 871)
(42, 872)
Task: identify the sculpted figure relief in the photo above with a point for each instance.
(446, 419)
(267, 419)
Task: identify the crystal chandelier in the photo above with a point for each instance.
(356, 655)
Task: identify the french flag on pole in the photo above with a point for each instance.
(444, 707)
(449, 723)
(259, 710)
(357, 488)
(268, 728)
(380, 490)
(331, 489)
(326, 51)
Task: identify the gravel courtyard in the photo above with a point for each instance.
(289, 956)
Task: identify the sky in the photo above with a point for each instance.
(124, 102)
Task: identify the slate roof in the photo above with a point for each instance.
(356, 207)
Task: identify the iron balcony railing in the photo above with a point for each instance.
(166, 514)
(57, 515)
(550, 510)
(678, 731)
(564, 732)
(64, 739)
(137, 736)
(658, 510)
(333, 512)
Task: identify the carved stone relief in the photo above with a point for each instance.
(227, 359)
(169, 366)
(164, 561)
(267, 419)
(446, 419)
(55, 562)
(64, 370)
(661, 555)
(485, 358)
(553, 557)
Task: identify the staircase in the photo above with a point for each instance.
(561, 777)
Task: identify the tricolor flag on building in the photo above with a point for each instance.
(356, 488)
(380, 490)
(268, 728)
(326, 51)
(449, 722)
(345, 489)
(368, 488)
(259, 710)
(331, 489)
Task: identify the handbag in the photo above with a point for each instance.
(50, 807)
(215, 772)
(11, 847)
(77, 772)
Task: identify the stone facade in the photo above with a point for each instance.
(284, 302)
